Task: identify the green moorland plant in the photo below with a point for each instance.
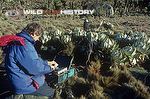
(108, 75)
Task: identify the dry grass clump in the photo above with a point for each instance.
(120, 85)
(82, 88)
(96, 92)
(93, 71)
(125, 82)
(140, 89)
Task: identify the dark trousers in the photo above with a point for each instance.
(44, 90)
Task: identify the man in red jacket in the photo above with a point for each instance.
(26, 71)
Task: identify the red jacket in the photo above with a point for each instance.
(7, 39)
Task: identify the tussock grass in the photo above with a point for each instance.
(120, 85)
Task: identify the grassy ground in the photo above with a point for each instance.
(140, 23)
(101, 84)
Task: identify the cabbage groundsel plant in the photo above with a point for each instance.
(129, 48)
(96, 54)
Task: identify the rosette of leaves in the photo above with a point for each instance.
(136, 36)
(118, 57)
(134, 45)
(51, 32)
(83, 33)
(66, 38)
(119, 36)
(143, 50)
(142, 45)
(130, 53)
(45, 37)
(105, 41)
(79, 32)
(57, 34)
(92, 36)
(122, 39)
(101, 36)
(76, 32)
(49, 35)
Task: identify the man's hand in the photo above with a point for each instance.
(52, 64)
